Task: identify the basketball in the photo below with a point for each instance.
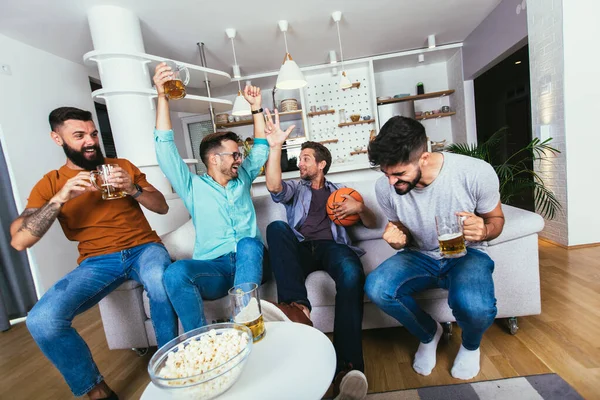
(336, 197)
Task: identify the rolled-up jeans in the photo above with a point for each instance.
(188, 282)
(50, 319)
(391, 287)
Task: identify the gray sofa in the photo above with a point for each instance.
(126, 317)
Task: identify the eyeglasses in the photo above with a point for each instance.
(236, 155)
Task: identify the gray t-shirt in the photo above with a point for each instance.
(463, 184)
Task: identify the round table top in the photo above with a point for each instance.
(293, 361)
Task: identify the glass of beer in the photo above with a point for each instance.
(175, 88)
(245, 305)
(450, 236)
(100, 179)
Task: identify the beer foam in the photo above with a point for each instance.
(249, 313)
(448, 236)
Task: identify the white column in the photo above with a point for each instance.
(132, 116)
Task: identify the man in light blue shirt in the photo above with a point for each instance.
(228, 249)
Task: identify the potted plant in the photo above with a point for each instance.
(515, 173)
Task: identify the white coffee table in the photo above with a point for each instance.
(293, 361)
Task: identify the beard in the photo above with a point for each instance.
(407, 186)
(231, 171)
(81, 160)
(307, 176)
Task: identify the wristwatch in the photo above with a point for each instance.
(257, 111)
(139, 191)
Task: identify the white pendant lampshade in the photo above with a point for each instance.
(345, 82)
(240, 106)
(290, 76)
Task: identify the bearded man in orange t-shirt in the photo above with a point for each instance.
(115, 240)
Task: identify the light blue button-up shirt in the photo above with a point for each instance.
(222, 216)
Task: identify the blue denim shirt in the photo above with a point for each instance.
(222, 216)
(296, 197)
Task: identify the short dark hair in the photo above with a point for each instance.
(58, 116)
(322, 153)
(213, 141)
(400, 141)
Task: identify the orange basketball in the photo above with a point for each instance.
(336, 197)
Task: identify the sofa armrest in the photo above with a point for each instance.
(518, 223)
(123, 317)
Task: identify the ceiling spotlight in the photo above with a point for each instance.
(431, 41)
(517, 62)
(421, 58)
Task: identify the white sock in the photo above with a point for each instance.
(425, 357)
(466, 364)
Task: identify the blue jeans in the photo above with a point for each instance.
(292, 261)
(50, 319)
(470, 292)
(189, 281)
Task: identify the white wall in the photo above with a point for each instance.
(470, 115)
(502, 32)
(40, 82)
(454, 69)
(581, 88)
(546, 63)
(434, 78)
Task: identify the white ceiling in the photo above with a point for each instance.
(172, 28)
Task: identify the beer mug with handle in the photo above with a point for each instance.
(450, 236)
(175, 88)
(109, 192)
(245, 305)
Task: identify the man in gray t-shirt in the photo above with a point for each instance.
(418, 187)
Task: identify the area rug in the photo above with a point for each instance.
(536, 387)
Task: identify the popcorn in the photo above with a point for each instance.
(204, 356)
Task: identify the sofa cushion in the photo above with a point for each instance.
(180, 242)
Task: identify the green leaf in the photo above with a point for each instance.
(516, 178)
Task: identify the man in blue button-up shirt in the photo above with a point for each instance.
(228, 249)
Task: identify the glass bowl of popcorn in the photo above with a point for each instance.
(202, 363)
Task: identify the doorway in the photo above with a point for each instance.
(503, 99)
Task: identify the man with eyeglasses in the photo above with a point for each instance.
(228, 249)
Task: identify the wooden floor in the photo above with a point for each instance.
(564, 339)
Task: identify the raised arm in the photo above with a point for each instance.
(253, 96)
(33, 223)
(276, 137)
(169, 160)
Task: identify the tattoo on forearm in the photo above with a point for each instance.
(39, 221)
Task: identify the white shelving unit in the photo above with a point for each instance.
(190, 104)
(198, 74)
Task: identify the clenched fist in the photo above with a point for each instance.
(394, 236)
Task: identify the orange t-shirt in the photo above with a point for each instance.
(100, 226)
